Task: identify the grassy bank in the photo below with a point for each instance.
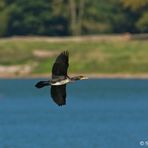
(86, 56)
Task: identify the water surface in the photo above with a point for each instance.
(103, 113)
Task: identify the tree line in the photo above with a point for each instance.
(72, 17)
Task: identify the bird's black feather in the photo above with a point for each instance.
(41, 84)
(58, 94)
(61, 64)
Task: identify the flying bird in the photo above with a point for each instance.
(59, 79)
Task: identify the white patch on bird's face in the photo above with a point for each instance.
(84, 78)
(62, 82)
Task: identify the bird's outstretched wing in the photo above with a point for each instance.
(58, 94)
(61, 64)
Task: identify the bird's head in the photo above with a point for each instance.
(79, 78)
(83, 77)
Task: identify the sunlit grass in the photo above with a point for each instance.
(85, 56)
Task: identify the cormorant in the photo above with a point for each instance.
(59, 79)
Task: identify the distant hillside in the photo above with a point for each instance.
(100, 55)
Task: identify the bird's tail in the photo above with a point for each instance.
(41, 84)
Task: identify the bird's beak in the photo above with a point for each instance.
(84, 78)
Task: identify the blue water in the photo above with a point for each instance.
(103, 113)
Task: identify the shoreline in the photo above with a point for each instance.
(89, 75)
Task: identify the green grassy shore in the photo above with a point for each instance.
(89, 55)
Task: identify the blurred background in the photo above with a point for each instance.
(72, 17)
(110, 35)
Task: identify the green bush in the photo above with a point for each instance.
(142, 23)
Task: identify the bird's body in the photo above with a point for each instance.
(59, 79)
(61, 82)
